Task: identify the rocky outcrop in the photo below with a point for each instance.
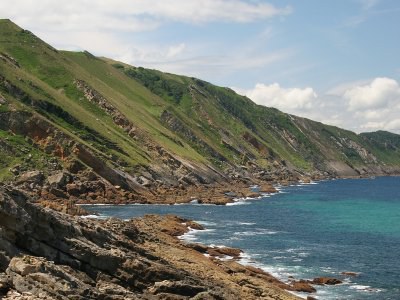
(44, 253)
(326, 281)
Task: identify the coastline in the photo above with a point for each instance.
(353, 284)
(137, 259)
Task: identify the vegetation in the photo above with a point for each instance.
(205, 123)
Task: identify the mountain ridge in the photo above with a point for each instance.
(143, 134)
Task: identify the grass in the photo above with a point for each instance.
(215, 116)
(18, 151)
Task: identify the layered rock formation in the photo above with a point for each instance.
(49, 255)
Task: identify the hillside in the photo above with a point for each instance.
(75, 126)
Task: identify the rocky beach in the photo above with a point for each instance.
(50, 255)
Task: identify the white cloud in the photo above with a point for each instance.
(133, 15)
(175, 50)
(183, 59)
(118, 29)
(291, 100)
(358, 106)
(380, 93)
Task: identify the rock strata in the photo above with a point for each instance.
(46, 254)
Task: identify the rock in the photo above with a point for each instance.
(2, 100)
(35, 177)
(351, 274)
(326, 280)
(58, 193)
(224, 251)
(59, 180)
(252, 195)
(74, 189)
(177, 288)
(4, 284)
(303, 286)
(144, 181)
(198, 247)
(75, 258)
(267, 188)
(194, 225)
(74, 166)
(311, 298)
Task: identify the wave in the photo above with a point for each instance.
(191, 235)
(246, 223)
(238, 202)
(93, 217)
(257, 231)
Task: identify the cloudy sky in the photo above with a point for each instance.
(332, 61)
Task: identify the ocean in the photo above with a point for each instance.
(307, 231)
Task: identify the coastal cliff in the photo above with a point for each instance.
(79, 128)
(75, 128)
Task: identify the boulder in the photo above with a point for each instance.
(224, 251)
(79, 258)
(326, 280)
(267, 188)
(351, 274)
(59, 180)
(303, 286)
(35, 177)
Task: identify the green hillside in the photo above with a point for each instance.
(131, 125)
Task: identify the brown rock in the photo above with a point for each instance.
(352, 274)
(326, 280)
(252, 195)
(198, 247)
(59, 180)
(224, 251)
(267, 188)
(303, 286)
(31, 177)
(194, 225)
(76, 258)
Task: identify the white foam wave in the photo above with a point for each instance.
(206, 223)
(257, 231)
(191, 235)
(239, 202)
(365, 288)
(93, 217)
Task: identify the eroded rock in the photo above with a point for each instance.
(74, 258)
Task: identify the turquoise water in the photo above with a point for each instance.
(307, 231)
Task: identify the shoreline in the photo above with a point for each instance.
(103, 259)
(253, 261)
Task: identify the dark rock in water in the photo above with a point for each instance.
(351, 274)
(44, 253)
(303, 286)
(326, 280)
(224, 251)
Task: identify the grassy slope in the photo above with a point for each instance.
(216, 117)
(52, 73)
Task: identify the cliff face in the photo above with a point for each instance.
(128, 134)
(44, 253)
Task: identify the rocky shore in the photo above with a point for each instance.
(45, 254)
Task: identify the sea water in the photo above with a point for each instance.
(307, 231)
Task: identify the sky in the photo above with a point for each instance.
(337, 62)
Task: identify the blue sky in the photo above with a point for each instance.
(333, 61)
